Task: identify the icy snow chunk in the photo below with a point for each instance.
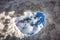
(31, 23)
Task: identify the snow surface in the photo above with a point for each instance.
(31, 23)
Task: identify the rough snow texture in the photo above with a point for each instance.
(11, 9)
(31, 23)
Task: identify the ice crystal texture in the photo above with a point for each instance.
(31, 23)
